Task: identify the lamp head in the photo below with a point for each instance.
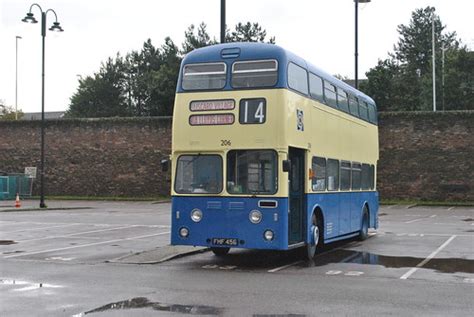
(29, 18)
(363, 1)
(56, 27)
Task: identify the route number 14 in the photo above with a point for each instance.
(252, 111)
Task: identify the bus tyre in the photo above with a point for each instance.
(220, 251)
(364, 230)
(316, 238)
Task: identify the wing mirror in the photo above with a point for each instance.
(165, 164)
(286, 165)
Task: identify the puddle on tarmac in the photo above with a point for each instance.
(468, 220)
(12, 252)
(382, 214)
(7, 242)
(142, 302)
(443, 265)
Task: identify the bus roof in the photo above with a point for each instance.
(239, 51)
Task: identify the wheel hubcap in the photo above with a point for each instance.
(315, 235)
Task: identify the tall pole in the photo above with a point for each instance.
(16, 77)
(434, 62)
(222, 21)
(442, 74)
(356, 54)
(43, 35)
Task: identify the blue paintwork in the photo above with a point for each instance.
(228, 217)
(258, 51)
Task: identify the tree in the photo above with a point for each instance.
(248, 32)
(404, 80)
(100, 95)
(193, 41)
(8, 113)
(144, 82)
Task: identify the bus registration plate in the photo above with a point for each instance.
(225, 241)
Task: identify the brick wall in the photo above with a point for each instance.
(103, 157)
(423, 155)
(426, 155)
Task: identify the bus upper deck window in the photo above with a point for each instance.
(204, 76)
(252, 74)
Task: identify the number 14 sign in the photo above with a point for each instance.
(252, 111)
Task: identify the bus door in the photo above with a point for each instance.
(296, 195)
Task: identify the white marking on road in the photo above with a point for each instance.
(82, 223)
(227, 267)
(284, 267)
(210, 266)
(77, 234)
(450, 208)
(401, 234)
(85, 245)
(468, 280)
(59, 258)
(354, 273)
(433, 216)
(414, 220)
(333, 272)
(43, 228)
(432, 255)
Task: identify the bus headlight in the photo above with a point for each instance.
(255, 216)
(196, 215)
(268, 235)
(184, 232)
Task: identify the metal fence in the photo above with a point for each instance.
(11, 184)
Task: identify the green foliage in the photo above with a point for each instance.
(403, 81)
(143, 83)
(248, 32)
(7, 113)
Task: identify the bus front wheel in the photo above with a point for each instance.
(364, 230)
(316, 240)
(220, 251)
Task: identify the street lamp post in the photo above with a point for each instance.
(222, 21)
(16, 76)
(356, 54)
(29, 18)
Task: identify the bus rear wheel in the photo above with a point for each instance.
(220, 251)
(364, 230)
(316, 240)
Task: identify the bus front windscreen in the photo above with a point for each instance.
(199, 174)
(252, 172)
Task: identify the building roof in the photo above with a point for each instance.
(47, 115)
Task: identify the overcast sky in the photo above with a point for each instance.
(321, 31)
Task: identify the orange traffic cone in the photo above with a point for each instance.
(17, 201)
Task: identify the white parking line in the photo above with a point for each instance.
(284, 267)
(414, 220)
(81, 223)
(77, 234)
(42, 228)
(84, 245)
(432, 255)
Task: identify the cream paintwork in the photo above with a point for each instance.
(327, 132)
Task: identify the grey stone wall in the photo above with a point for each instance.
(423, 155)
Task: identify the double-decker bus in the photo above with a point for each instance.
(269, 152)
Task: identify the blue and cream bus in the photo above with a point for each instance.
(269, 152)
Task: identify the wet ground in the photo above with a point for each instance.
(63, 263)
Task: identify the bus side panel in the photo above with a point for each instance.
(350, 219)
(228, 217)
(329, 205)
(357, 207)
(344, 213)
